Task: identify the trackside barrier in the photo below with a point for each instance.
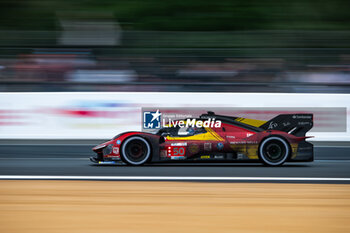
(100, 115)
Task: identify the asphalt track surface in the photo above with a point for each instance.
(73, 160)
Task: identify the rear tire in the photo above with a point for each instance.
(135, 150)
(274, 151)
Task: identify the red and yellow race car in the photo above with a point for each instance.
(273, 142)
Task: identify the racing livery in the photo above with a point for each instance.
(271, 142)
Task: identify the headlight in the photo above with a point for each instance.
(99, 147)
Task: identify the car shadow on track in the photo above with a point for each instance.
(201, 165)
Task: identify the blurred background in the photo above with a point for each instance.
(192, 45)
(136, 54)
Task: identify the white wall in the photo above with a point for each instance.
(99, 115)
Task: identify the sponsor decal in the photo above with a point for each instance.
(249, 134)
(151, 120)
(286, 124)
(179, 144)
(116, 150)
(272, 125)
(207, 146)
(243, 142)
(231, 137)
(304, 123)
(252, 142)
(118, 142)
(238, 142)
(218, 156)
(220, 146)
(193, 148)
(177, 157)
(302, 117)
(205, 157)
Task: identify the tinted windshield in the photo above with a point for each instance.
(189, 131)
(181, 132)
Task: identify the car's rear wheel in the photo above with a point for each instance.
(136, 150)
(274, 151)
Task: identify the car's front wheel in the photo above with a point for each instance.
(136, 150)
(274, 151)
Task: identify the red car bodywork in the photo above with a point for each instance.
(233, 141)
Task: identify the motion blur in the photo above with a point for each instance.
(226, 46)
(79, 73)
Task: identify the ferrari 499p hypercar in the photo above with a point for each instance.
(273, 142)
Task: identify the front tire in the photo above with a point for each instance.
(274, 151)
(136, 150)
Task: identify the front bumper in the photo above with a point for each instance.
(95, 160)
(104, 154)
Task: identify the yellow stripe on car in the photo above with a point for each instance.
(215, 134)
(252, 122)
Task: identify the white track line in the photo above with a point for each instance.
(169, 178)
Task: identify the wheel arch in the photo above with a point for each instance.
(137, 135)
(283, 139)
(278, 136)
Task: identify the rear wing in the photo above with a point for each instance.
(296, 124)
